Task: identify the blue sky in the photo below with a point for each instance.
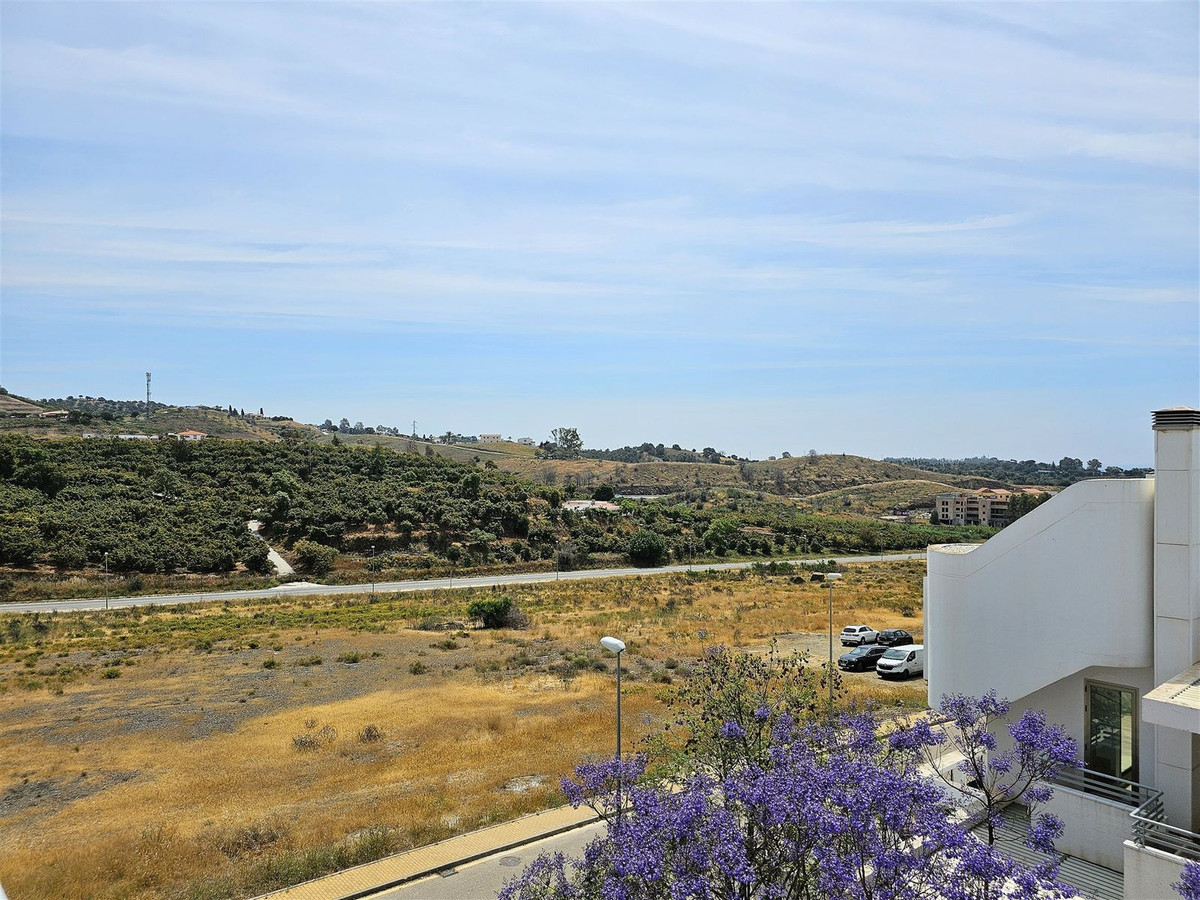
(897, 229)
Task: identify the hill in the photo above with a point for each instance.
(880, 497)
(107, 417)
(167, 508)
(17, 406)
(799, 477)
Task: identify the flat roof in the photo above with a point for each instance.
(1176, 702)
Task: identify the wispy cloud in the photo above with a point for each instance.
(798, 193)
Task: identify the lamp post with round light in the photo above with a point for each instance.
(613, 645)
(106, 579)
(372, 570)
(830, 578)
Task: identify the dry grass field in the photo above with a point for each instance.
(220, 751)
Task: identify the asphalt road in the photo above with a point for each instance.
(303, 589)
(482, 879)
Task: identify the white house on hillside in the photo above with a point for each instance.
(1088, 607)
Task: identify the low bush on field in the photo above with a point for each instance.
(370, 734)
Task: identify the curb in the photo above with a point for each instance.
(402, 868)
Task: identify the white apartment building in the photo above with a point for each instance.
(490, 439)
(1088, 608)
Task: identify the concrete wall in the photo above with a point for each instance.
(1095, 829)
(1177, 609)
(1064, 588)
(1149, 873)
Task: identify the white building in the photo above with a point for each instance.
(1088, 608)
(490, 439)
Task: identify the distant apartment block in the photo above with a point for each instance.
(490, 439)
(984, 507)
(526, 441)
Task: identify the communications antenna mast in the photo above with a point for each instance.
(414, 434)
(147, 395)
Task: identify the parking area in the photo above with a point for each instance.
(816, 646)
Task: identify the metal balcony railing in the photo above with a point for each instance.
(1150, 828)
(1108, 787)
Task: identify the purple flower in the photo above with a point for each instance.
(824, 805)
(1188, 885)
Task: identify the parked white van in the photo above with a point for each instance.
(908, 659)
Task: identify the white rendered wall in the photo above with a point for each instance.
(1177, 609)
(1094, 829)
(1064, 588)
(1149, 873)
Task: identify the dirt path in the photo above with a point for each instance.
(280, 564)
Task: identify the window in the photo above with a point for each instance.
(1111, 723)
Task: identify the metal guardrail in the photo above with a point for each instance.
(1150, 828)
(1108, 787)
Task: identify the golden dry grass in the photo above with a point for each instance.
(180, 777)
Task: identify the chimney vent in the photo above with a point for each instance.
(1177, 418)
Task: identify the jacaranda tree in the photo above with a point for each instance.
(998, 777)
(821, 812)
(1188, 885)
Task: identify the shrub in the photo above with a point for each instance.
(314, 558)
(350, 658)
(312, 660)
(112, 672)
(260, 836)
(498, 612)
(270, 663)
(310, 740)
(418, 668)
(370, 734)
(647, 548)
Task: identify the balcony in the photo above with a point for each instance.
(1121, 826)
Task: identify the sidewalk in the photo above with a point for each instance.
(390, 871)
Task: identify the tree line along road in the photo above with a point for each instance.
(303, 589)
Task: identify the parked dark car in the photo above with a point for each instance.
(894, 637)
(861, 658)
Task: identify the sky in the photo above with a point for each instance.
(892, 230)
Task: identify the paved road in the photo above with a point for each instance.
(305, 589)
(482, 879)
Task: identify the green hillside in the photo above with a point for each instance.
(800, 477)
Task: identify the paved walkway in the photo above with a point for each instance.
(391, 871)
(282, 567)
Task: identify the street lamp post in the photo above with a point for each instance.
(557, 559)
(106, 579)
(613, 645)
(372, 570)
(830, 578)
